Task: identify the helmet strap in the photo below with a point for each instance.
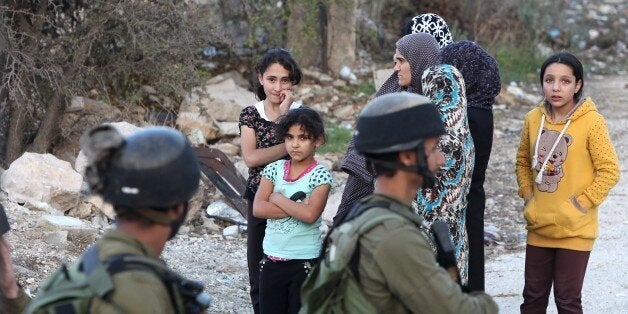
(176, 224)
(428, 177)
(420, 168)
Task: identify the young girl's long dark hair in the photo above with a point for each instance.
(283, 57)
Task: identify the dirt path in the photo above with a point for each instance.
(606, 283)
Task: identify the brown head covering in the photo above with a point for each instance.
(422, 51)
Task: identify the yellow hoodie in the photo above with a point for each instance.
(580, 164)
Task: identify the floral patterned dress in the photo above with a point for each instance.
(447, 200)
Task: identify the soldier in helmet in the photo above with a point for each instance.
(149, 178)
(397, 268)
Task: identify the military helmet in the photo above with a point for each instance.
(396, 122)
(152, 168)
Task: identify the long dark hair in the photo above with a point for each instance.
(571, 61)
(283, 57)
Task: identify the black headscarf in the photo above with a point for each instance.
(479, 70)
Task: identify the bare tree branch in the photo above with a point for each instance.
(61, 48)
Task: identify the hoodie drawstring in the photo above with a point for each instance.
(535, 158)
(539, 176)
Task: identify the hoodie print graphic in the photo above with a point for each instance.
(553, 159)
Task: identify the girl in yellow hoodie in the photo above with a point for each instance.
(566, 165)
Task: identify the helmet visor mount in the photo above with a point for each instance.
(152, 168)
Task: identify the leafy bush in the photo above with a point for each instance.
(517, 63)
(337, 139)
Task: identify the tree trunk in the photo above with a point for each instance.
(4, 103)
(373, 9)
(304, 33)
(49, 125)
(341, 35)
(19, 116)
(15, 141)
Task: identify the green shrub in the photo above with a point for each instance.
(204, 73)
(517, 63)
(337, 139)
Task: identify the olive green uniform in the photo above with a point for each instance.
(136, 291)
(399, 273)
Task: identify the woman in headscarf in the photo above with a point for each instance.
(414, 54)
(446, 200)
(481, 74)
(481, 77)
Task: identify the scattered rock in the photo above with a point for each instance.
(229, 128)
(228, 148)
(42, 178)
(221, 210)
(380, 76)
(346, 74)
(232, 231)
(345, 113)
(56, 222)
(236, 77)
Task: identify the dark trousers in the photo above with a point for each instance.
(481, 127)
(255, 230)
(564, 268)
(280, 285)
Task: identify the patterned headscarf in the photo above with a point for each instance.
(432, 24)
(479, 69)
(422, 51)
(444, 85)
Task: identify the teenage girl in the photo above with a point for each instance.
(566, 166)
(293, 239)
(277, 72)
